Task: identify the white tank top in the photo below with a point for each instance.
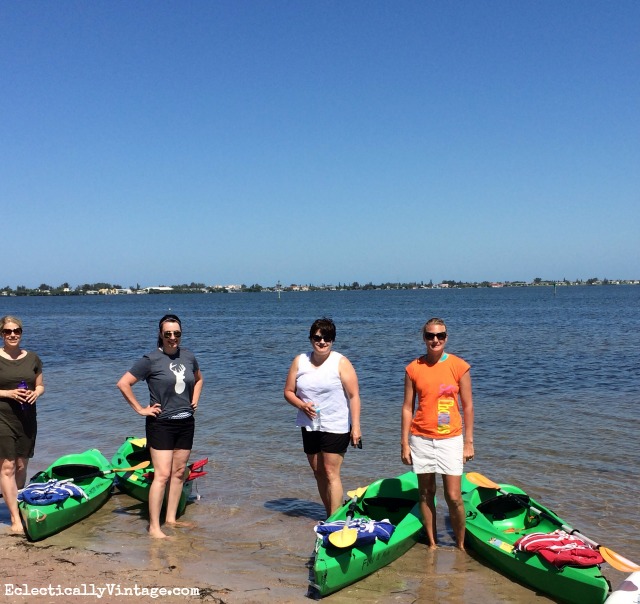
(323, 387)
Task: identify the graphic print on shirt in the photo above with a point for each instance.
(446, 401)
(178, 369)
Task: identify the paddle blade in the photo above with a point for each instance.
(345, 537)
(482, 481)
(618, 561)
(197, 465)
(140, 466)
(357, 493)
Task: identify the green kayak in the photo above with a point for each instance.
(496, 520)
(136, 483)
(393, 499)
(89, 471)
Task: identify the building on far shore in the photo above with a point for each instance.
(157, 288)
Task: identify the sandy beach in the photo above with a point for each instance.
(444, 576)
(73, 574)
(49, 573)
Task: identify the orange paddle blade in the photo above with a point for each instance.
(618, 561)
(140, 466)
(482, 481)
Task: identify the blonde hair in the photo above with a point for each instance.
(10, 319)
(433, 321)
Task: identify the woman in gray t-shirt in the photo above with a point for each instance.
(175, 383)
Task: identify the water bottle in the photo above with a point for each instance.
(317, 424)
(24, 386)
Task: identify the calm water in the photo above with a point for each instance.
(555, 381)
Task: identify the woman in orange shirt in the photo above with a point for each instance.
(438, 439)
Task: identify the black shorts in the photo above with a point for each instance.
(170, 434)
(324, 442)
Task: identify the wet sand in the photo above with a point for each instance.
(264, 561)
(423, 576)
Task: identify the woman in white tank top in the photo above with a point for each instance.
(323, 386)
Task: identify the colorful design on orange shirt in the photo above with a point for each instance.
(447, 400)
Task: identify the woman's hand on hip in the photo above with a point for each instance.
(151, 411)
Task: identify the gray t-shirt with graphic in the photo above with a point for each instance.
(171, 379)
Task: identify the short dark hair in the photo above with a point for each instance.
(326, 327)
(172, 318)
(165, 319)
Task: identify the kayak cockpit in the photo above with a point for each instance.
(74, 471)
(509, 514)
(393, 509)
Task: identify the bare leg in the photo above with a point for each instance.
(10, 492)
(21, 471)
(326, 469)
(321, 479)
(453, 497)
(427, 493)
(178, 469)
(162, 463)
(330, 464)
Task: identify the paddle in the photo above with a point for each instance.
(357, 493)
(140, 466)
(346, 536)
(195, 469)
(73, 470)
(616, 560)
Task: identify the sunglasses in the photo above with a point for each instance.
(168, 334)
(320, 338)
(442, 336)
(17, 331)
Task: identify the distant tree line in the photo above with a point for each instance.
(64, 289)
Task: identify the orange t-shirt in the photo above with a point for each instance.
(437, 387)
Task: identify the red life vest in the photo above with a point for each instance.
(560, 549)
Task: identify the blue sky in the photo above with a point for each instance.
(319, 142)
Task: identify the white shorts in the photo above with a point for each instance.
(437, 455)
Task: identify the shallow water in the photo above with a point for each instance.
(555, 394)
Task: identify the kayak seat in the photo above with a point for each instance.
(137, 456)
(392, 508)
(501, 506)
(41, 476)
(73, 470)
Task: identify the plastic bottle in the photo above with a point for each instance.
(317, 423)
(24, 386)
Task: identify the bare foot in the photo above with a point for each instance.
(157, 533)
(180, 523)
(432, 546)
(17, 529)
